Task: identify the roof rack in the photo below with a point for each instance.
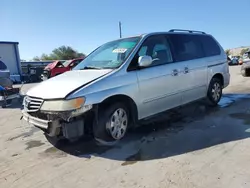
(183, 30)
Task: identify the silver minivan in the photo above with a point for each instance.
(128, 80)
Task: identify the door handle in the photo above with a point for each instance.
(186, 70)
(175, 72)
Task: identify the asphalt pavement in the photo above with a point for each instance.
(196, 146)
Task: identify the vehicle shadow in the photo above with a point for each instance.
(186, 130)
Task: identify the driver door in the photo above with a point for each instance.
(159, 84)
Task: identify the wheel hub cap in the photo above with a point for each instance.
(216, 91)
(118, 123)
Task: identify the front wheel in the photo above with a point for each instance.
(112, 124)
(214, 92)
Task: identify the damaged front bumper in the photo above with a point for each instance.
(40, 123)
(70, 125)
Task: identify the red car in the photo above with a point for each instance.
(59, 67)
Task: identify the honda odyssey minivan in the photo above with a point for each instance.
(127, 80)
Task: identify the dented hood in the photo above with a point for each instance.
(60, 86)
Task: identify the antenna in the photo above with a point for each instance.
(120, 29)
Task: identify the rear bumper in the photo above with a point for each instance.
(44, 124)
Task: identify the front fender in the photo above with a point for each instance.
(98, 97)
(120, 84)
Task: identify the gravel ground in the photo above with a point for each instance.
(196, 147)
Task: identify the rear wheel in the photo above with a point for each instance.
(214, 92)
(112, 124)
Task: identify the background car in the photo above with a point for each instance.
(59, 67)
(4, 76)
(245, 68)
(7, 92)
(235, 60)
(229, 60)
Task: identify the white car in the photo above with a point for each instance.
(128, 80)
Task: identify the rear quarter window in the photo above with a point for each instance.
(210, 46)
(2, 66)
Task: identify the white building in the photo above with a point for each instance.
(9, 54)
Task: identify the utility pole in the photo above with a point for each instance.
(120, 29)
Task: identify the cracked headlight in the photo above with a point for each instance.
(63, 105)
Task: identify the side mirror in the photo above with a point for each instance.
(145, 61)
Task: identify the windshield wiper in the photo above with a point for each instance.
(98, 68)
(110, 67)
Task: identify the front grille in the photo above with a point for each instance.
(32, 104)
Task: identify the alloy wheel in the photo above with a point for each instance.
(118, 124)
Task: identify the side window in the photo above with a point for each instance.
(143, 51)
(186, 47)
(158, 48)
(209, 45)
(162, 48)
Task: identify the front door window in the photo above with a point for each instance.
(158, 48)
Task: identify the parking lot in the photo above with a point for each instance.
(195, 146)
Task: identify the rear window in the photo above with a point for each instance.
(210, 46)
(186, 47)
(2, 66)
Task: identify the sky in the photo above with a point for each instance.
(42, 25)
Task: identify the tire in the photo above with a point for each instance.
(108, 130)
(245, 72)
(214, 92)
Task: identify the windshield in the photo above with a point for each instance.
(66, 63)
(110, 55)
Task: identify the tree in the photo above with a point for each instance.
(61, 53)
(46, 57)
(228, 52)
(36, 58)
(244, 50)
